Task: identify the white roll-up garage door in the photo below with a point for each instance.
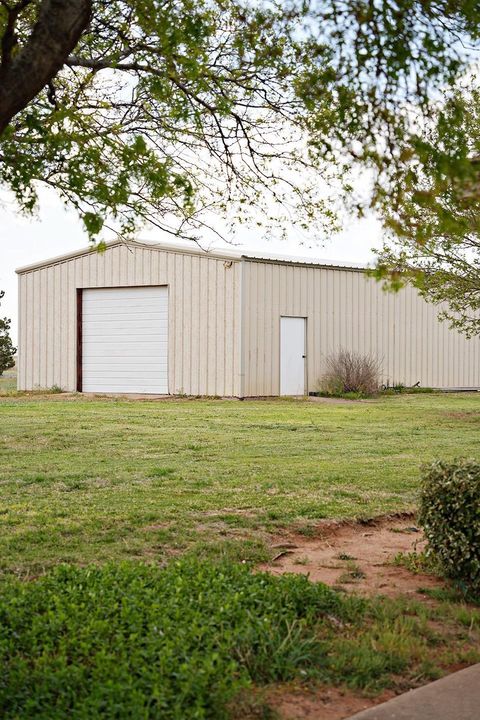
(125, 340)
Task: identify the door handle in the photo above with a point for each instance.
(304, 356)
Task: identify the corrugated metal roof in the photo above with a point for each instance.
(234, 253)
(298, 260)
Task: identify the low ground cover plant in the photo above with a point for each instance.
(400, 389)
(450, 516)
(135, 641)
(190, 640)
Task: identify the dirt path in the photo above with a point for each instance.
(325, 704)
(355, 556)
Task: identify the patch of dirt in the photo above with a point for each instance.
(467, 416)
(355, 556)
(222, 512)
(358, 558)
(158, 526)
(39, 395)
(324, 703)
(334, 400)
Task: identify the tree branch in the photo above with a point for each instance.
(9, 39)
(57, 31)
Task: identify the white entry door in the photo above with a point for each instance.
(125, 340)
(292, 355)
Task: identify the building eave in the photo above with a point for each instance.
(216, 253)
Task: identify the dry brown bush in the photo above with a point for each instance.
(350, 372)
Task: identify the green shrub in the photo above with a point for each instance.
(450, 516)
(136, 641)
(7, 351)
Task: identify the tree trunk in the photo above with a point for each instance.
(57, 31)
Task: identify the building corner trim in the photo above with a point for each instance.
(79, 339)
(242, 328)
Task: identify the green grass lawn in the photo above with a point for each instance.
(91, 480)
(204, 637)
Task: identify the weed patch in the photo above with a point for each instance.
(184, 641)
(418, 562)
(136, 641)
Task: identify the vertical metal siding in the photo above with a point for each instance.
(204, 316)
(215, 303)
(346, 309)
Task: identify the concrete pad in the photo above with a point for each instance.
(455, 697)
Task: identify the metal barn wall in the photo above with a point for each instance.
(204, 315)
(345, 309)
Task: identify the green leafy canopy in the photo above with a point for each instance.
(163, 109)
(433, 214)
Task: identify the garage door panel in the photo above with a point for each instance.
(125, 340)
(135, 291)
(119, 311)
(143, 343)
(102, 349)
(132, 376)
(125, 319)
(148, 311)
(117, 368)
(141, 325)
(128, 349)
(121, 298)
(119, 371)
(125, 303)
(149, 389)
(112, 294)
(108, 303)
(142, 334)
(128, 364)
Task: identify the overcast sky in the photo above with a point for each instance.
(56, 231)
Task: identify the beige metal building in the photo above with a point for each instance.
(143, 318)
